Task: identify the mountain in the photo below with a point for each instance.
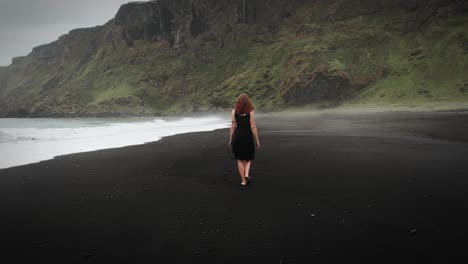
(176, 56)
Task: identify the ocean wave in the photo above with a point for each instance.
(101, 130)
(23, 142)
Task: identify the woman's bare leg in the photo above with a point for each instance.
(241, 168)
(247, 168)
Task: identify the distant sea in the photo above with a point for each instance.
(24, 141)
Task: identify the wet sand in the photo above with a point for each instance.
(328, 188)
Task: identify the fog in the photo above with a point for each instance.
(25, 24)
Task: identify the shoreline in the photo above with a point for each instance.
(326, 188)
(294, 113)
(104, 149)
(72, 143)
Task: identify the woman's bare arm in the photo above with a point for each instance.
(233, 126)
(253, 126)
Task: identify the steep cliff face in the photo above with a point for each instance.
(173, 56)
(182, 22)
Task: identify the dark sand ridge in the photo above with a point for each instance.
(342, 187)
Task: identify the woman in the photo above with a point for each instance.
(243, 132)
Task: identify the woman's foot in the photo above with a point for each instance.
(247, 179)
(244, 183)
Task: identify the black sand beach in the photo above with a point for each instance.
(326, 188)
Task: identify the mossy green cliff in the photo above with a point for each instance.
(176, 56)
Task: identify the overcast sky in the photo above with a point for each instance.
(25, 24)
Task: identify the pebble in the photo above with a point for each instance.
(87, 255)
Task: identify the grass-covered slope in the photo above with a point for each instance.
(383, 58)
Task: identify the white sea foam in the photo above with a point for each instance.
(24, 141)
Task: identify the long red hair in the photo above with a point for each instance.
(243, 104)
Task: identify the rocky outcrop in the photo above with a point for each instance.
(320, 86)
(325, 86)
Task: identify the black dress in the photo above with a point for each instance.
(243, 145)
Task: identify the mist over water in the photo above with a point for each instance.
(24, 141)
